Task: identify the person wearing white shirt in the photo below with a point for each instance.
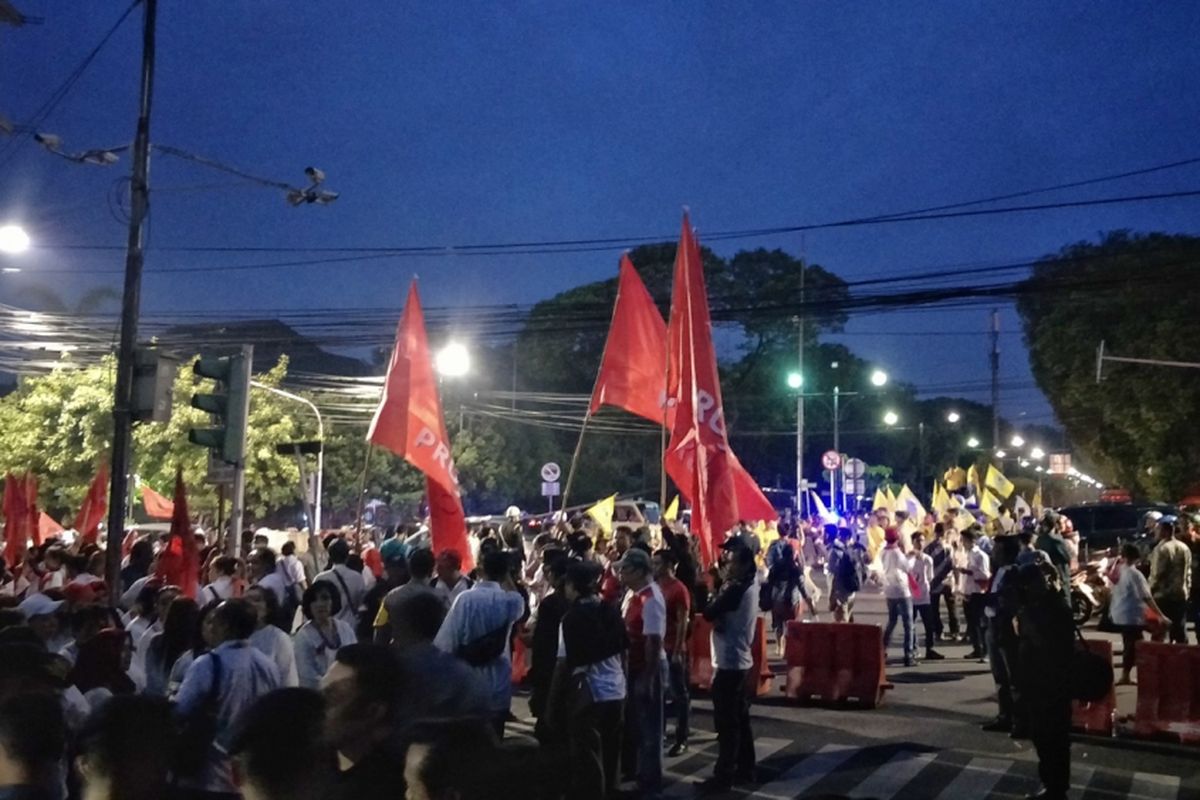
(450, 581)
(349, 582)
(975, 575)
(220, 575)
(898, 592)
(921, 569)
(270, 640)
(645, 612)
(319, 639)
(1131, 600)
(262, 563)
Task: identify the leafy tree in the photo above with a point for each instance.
(1138, 294)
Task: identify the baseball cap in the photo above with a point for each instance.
(635, 558)
(38, 605)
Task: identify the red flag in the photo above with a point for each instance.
(15, 537)
(697, 457)
(95, 504)
(157, 506)
(179, 563)
(753, 505)
(633, 369)
(409, 423)
(47, 526)
(32, 516)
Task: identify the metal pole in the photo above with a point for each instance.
(995, 379)
(237, 506)
(837, 448)
(921, 454)
(139, 189)
(316, 517)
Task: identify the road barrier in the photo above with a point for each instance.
(835, 664)
(1168, 698)
(520, 657)
(1096, 718)
(700, 668)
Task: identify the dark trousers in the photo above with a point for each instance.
(594, 742)
(642, 750)
(1176, 611)
(1050, 730)
(929, 623)
(1003, 666)
(681, 700)
(973, 611)
(731, 717)
(951, 612)
(1130, 636)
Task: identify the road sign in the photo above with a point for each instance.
(550, 489)
(550, 473)
(831, 460)
(1060, 463)
(855, 468)
(855, 486)
(220, 473)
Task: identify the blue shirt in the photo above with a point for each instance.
(475, 613)
(246, 675)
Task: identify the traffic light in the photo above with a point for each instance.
(229, 406)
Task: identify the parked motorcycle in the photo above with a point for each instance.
(1091, 588)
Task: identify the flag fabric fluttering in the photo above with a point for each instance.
(409, 423)
(179, 561)
(634, 366)
(603, 512)
(827, 516)
(973, 483)
(998, 483)
(893, 504)
(908, 502)
(880, 502)
(47, 526)
(95, 504)
(1021, 507)
(156, 506)
(672, 512)
(32, 515)
(940, 501)
(955, 478)
(16, 535)
(989, 504)
(697, 457)
(1037, 500)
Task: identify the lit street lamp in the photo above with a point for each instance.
(13, 239)
(953, 417)
(1037, 454)
(972, 442)
(890, 418)
(879, 378)
(1017, 441)
(1000, 454)
(453, 361)
(795, 380)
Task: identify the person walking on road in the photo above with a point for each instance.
(846, 567)
(923, 603)
(894, 567)
(1170, 574)
(1131, 600)
(975, 575)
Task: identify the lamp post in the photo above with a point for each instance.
(315, 522)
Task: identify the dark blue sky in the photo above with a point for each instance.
(457, 123)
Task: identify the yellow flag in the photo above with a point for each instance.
(989, 504)
(602, 512)
(973, 479)
(1037, 501)
(880, 502)
(963, 519)
(996, 480)
(891, 500)
(955, 478)
(941, 500)
(907, 501)
(672, 510)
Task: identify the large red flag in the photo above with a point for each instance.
(697, 457)
(179, 563)
(157, 506)
(15, 535)
(48, 526)
(95, 504)
(409, 423)
(633, 369)
(32, 515)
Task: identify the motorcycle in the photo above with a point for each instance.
(1091, 588)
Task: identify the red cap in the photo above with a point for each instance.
(891, 535)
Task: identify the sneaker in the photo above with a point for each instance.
(934, 655)
(910, 662)
(677, 749)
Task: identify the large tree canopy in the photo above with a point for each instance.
(1138, 294)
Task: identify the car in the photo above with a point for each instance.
(1105, 525)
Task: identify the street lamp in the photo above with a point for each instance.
(13, 239)
(972, 442)
(453, 360)
(879, 378)
(1017, 441)
(1037, 454)
(953, 417)
(795, 380)
(890, 418)
(1000, 454)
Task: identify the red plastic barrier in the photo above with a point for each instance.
(835, 664)
(520, 660)
(1168, 699)
(762, 677)
(1096, 718)
(700, 668)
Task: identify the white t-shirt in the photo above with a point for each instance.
(606, 678)
(922, 572)
(1127, 605)
(980, 571)
(894, 565)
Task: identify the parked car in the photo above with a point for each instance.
(1105, 525)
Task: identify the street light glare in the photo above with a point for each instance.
(879, 378)
(890, 418)
(1017, 441)
(953, 417)
(1000, 454)
(1037, 454)
(972, 442)
(453, 360)
(13, 239)
(795, 380)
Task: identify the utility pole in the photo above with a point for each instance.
(131, 301)
(995, 379)
(800, 485)
(835, 474)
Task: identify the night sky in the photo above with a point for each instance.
(457, 123)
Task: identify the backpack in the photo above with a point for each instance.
(847, 572)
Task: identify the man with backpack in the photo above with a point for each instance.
(846, 568)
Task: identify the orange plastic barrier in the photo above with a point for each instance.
(1096, 718)
(700, 668)
(1168, 698)
(520, 660)
(835, 664)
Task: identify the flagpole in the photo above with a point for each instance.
(362, 493)
(575, 457)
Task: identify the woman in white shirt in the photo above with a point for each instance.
(269, 639)
(1128, 605)
(319, 639)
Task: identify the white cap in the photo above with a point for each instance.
(38, 605)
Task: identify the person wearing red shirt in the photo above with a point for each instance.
(679, 612)
(611, 586)
(645, 614)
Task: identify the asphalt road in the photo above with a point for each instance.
(923, 743)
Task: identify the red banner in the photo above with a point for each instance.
(698, 456)
(95, 504)
(179, 562)
(409, 423)
(15, 534)
(32, 515)
(633, 369)
(157, 506)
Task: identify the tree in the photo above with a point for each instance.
(1138, 294)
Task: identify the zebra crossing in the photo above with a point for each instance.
(905, 771)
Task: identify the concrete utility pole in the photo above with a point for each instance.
(131, 300)
(995, 379)
(800, 490)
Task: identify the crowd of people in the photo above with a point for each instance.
(354, 668)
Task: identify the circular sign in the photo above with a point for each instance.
(855, 468)
(550, 472)
(831, 460)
